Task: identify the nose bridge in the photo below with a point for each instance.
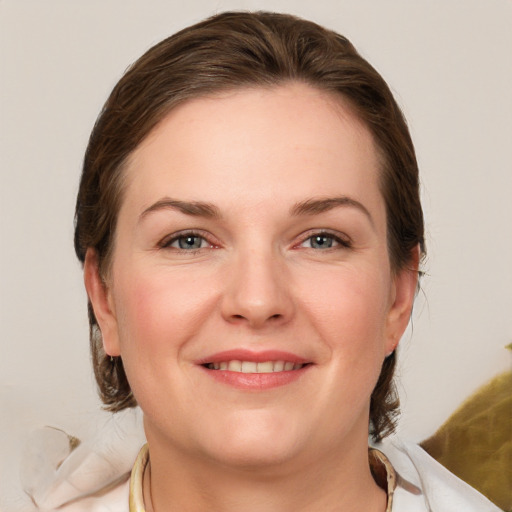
(257, 289)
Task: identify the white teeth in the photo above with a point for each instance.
(249, 367)
(266, 367)
(279, 366)
(253, 367)
(235, 366)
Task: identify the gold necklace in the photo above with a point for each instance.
(136, 482)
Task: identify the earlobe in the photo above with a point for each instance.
(404, 287)
(100, 298)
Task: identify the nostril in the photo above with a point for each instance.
(251, 318)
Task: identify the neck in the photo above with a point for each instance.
(195, 484)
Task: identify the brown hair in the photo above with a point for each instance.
(233, 50)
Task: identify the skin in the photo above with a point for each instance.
(257, 281)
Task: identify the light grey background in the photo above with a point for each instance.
(449, 63)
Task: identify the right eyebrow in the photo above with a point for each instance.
(315, 206)
(193, 208)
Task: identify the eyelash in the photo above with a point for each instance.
(166, 243)
(343, 243)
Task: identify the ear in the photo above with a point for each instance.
(405, 284)
(101, 300)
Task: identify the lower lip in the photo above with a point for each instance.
(256, 381)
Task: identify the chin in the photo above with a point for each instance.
(256, 439)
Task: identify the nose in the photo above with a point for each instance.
(258, 290)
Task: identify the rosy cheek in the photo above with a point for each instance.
(337, 303)
(162, 309)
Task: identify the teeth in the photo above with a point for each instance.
(235, 366)
(266, 367)
(279, 366)
(253, 367)
(249, 367)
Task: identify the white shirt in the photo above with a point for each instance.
(423, 485)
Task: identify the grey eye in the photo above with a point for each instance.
(188, 242)
(321, 241)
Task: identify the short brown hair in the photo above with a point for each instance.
(234, 50)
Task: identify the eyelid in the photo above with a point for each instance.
(165, 243)
(344, 240)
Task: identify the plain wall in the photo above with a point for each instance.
(449, 64)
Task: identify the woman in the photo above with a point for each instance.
(251, 232)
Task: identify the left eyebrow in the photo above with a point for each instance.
(315, 206)
(193, 208)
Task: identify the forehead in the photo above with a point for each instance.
(265, 143)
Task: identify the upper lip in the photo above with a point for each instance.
(255, 356)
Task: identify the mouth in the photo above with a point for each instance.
(255, 367)
(255, 371)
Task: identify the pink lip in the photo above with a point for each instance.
(254, 381)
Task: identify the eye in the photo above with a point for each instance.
(323, 241)
(186, 242)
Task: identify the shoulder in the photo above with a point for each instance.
(58, 472)
(424, 485)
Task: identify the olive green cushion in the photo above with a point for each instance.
(476, 441)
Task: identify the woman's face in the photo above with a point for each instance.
(250, 294)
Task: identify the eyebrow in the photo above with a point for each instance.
(308, 207)
(193, 208)
(315, 206)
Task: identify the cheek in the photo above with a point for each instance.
(349, 306)
(158, 311)
(158, 314)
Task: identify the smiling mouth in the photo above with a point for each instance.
(254, 367)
